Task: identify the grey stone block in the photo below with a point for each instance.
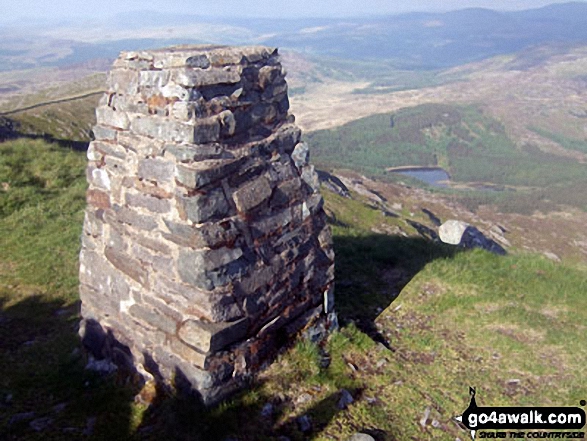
(156, 170)
(301, 155)
(286, 193)
(268, 75)
(210, 235)
(226, 56)
(200, 61)
(210, 269)
(131, 217)
(127, 265)
(329, 300)
(188, 353)
(163, 129)
(152, 243)
(227, 123)
(310, 177)
(203, 207)
(268, 225)
(102, 133)
(212, 337)
(109, 117)
(252, 194)
(153, 318)
(151, 203)
(202, 173)
(206, 130)
(206, 77)
(154, 79)
(124, 82)
(189, 153)
(98, 177)
(110, 149)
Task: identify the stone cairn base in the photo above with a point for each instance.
(205, 246)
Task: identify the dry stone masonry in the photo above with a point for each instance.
(205, 245)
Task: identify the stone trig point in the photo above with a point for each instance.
(205, 246)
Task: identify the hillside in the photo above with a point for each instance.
(484, 164)
(421, 322)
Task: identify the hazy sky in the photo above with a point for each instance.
(55, 9)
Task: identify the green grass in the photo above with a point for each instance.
(514, 327)
(41, 213)
(461, 319)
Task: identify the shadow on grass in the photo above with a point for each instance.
(249, 416)
(10, 129)
(371, 271)
(45, 392)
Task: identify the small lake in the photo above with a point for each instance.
(436, 177)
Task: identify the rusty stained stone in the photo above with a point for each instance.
(98, 199)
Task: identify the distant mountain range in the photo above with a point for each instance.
(440, 40)
(410, 41)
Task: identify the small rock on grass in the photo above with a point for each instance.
(361, 437)
(90, 425)
(267, 410)
(59, 407)
(345, 399)
(304, 423)
(41, 424)
(304, 398)
(425, 418)
(25, 416)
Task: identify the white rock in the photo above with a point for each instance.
(452, 231)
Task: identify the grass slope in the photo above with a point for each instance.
(420, 324)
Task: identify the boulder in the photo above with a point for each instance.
(460, 233)
(361, 437)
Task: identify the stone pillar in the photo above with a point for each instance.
(205, 246)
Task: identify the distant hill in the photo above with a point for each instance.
(441, 40)
(412, 41)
